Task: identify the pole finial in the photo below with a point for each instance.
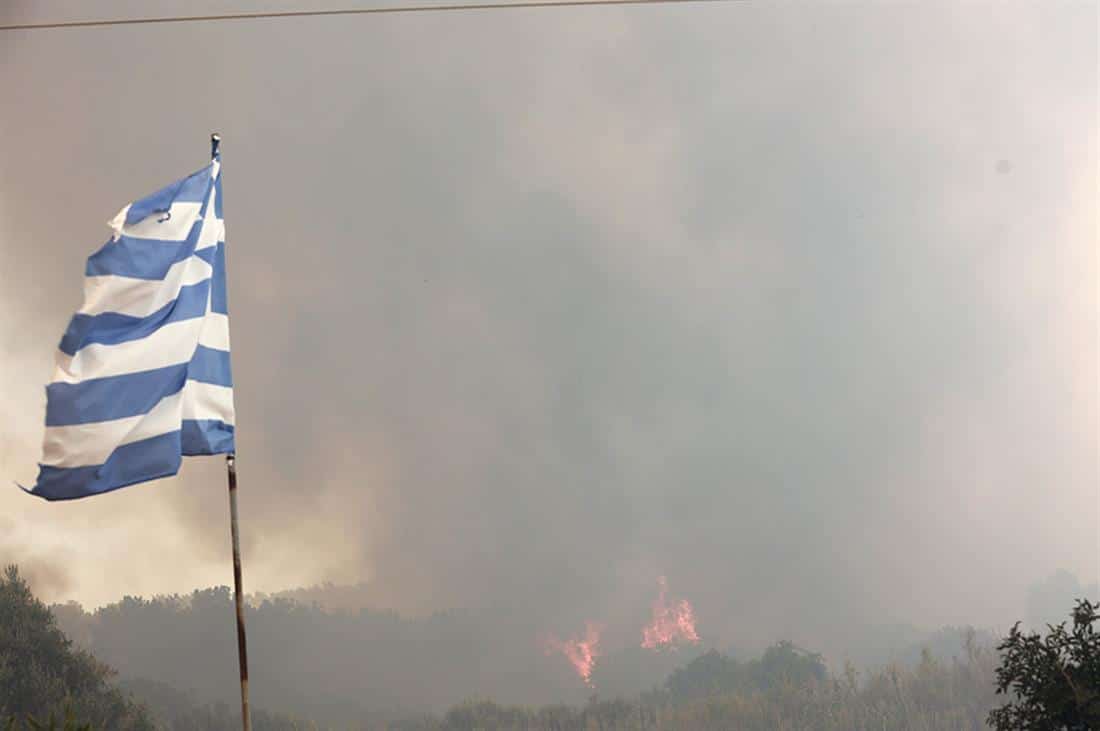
(215, 140)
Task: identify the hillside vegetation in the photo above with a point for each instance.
(43, 675)
(174, 650)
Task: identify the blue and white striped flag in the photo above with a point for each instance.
(143, 374)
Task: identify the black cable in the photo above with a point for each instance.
(353, 11)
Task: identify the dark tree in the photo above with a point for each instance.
(1054, 681)
(42, 675)
(710, 674)
(714, 673)
(785, 663)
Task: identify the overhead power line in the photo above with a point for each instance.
(389, 10)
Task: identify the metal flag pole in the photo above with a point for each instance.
(242, 651)
(238, 593)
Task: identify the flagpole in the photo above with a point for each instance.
(238, 592)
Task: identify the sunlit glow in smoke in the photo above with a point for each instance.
(581, 654)
(672, 623)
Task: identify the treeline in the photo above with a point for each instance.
(338, 668)
(1029, 681)
(173, 650)
(784, 690)
(347, 667)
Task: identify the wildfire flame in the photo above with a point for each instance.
(581, 654)
(671, 622)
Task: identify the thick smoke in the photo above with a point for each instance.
(794, 305)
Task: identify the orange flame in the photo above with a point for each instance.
(581, 654)
(671, 622)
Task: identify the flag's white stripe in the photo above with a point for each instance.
(175, 227)
(141, 297)
(213, 230)
(208, 401)
(215, 331)
(172, 344)
(91, 444)
(81, 445)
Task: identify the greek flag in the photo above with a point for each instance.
(143, 374)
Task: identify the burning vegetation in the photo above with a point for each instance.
(672, 623)
(581, 653)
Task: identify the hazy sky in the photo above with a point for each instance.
(794, 303)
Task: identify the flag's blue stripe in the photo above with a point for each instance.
(207, 436)
(218, 196)
(140, 258)
(110, 328)
(210, 365)
(192, 189)
(145, 258)
(219, 301)
(114, 397)
(149, 459)
(209, 254)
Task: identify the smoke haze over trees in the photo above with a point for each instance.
(1047, 682)
(343, 666)
(172, 640)
(569, 300)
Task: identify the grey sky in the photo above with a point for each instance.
(794, 303)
